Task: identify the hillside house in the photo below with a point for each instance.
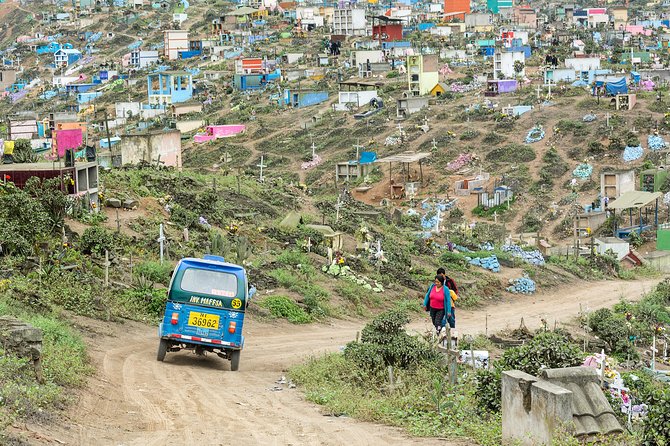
(7, 78)
(422, 74)
(162, 146)
(84, 175)
(503, 64)
(174, 41)
(309, 18)
(142, 58)
(169, 87)
(66, 57)
(502, 7)
(387, 29)
(349, 22)
(456, 9)
(524, 17)
(479, 22)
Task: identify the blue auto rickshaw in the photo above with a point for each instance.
(205, 309)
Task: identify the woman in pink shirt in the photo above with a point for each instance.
(438, 302)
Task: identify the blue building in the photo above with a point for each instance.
(298, 99)
(52, 47)
(66, 57)
(254, 81)
(169, 87)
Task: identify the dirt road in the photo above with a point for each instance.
(189, 400)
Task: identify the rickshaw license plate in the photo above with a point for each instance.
(203, 320)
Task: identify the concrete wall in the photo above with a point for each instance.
(614, 184)
(189, 126)
(620, 247)
(659, 260)
(532, 409)
(583, 64)
(371, 55)
(148, 146)
(357, 98)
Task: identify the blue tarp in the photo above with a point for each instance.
(367, 157)
(617, 87)
(636, 76)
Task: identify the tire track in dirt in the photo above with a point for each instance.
(190, 400)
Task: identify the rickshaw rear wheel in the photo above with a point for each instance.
(162, 349)
(235, 360)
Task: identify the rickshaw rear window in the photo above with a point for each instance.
(203, 281)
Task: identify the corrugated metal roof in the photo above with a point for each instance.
(635, 199)
(592, 413)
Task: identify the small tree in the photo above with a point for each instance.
(518, 68)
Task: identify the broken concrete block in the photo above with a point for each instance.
(131, 204)
(113, 203)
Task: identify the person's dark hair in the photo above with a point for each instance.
(440, 278)
(441, 271)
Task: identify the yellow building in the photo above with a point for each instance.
(422, 74)
(620, 15)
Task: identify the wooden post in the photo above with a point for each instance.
(239, 169)
(118, 222)
(390, 181)
(106, 268)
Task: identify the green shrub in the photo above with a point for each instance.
(285, 307)
(285, 278)
(384, 342)
(23, 221)
(142, 303)
(546, 350)
(96, 240)
(512, 153)
(493, 138)
(293, 258)
(470, 134)
(656, 428)
(614, 329)
(154, 271)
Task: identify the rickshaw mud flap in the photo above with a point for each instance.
(202, 340)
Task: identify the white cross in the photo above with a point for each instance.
(313, 150)
(434, 144)
(539, 89)
(438, 220)
(261, 165)
(161, 239)
(337, 209)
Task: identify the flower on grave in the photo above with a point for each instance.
(8, 177)
(659, 329)
(629, 316)
(232, 228)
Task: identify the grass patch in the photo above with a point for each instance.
(512, 153)
(412, 405)
(284, 307)
(482, 211)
